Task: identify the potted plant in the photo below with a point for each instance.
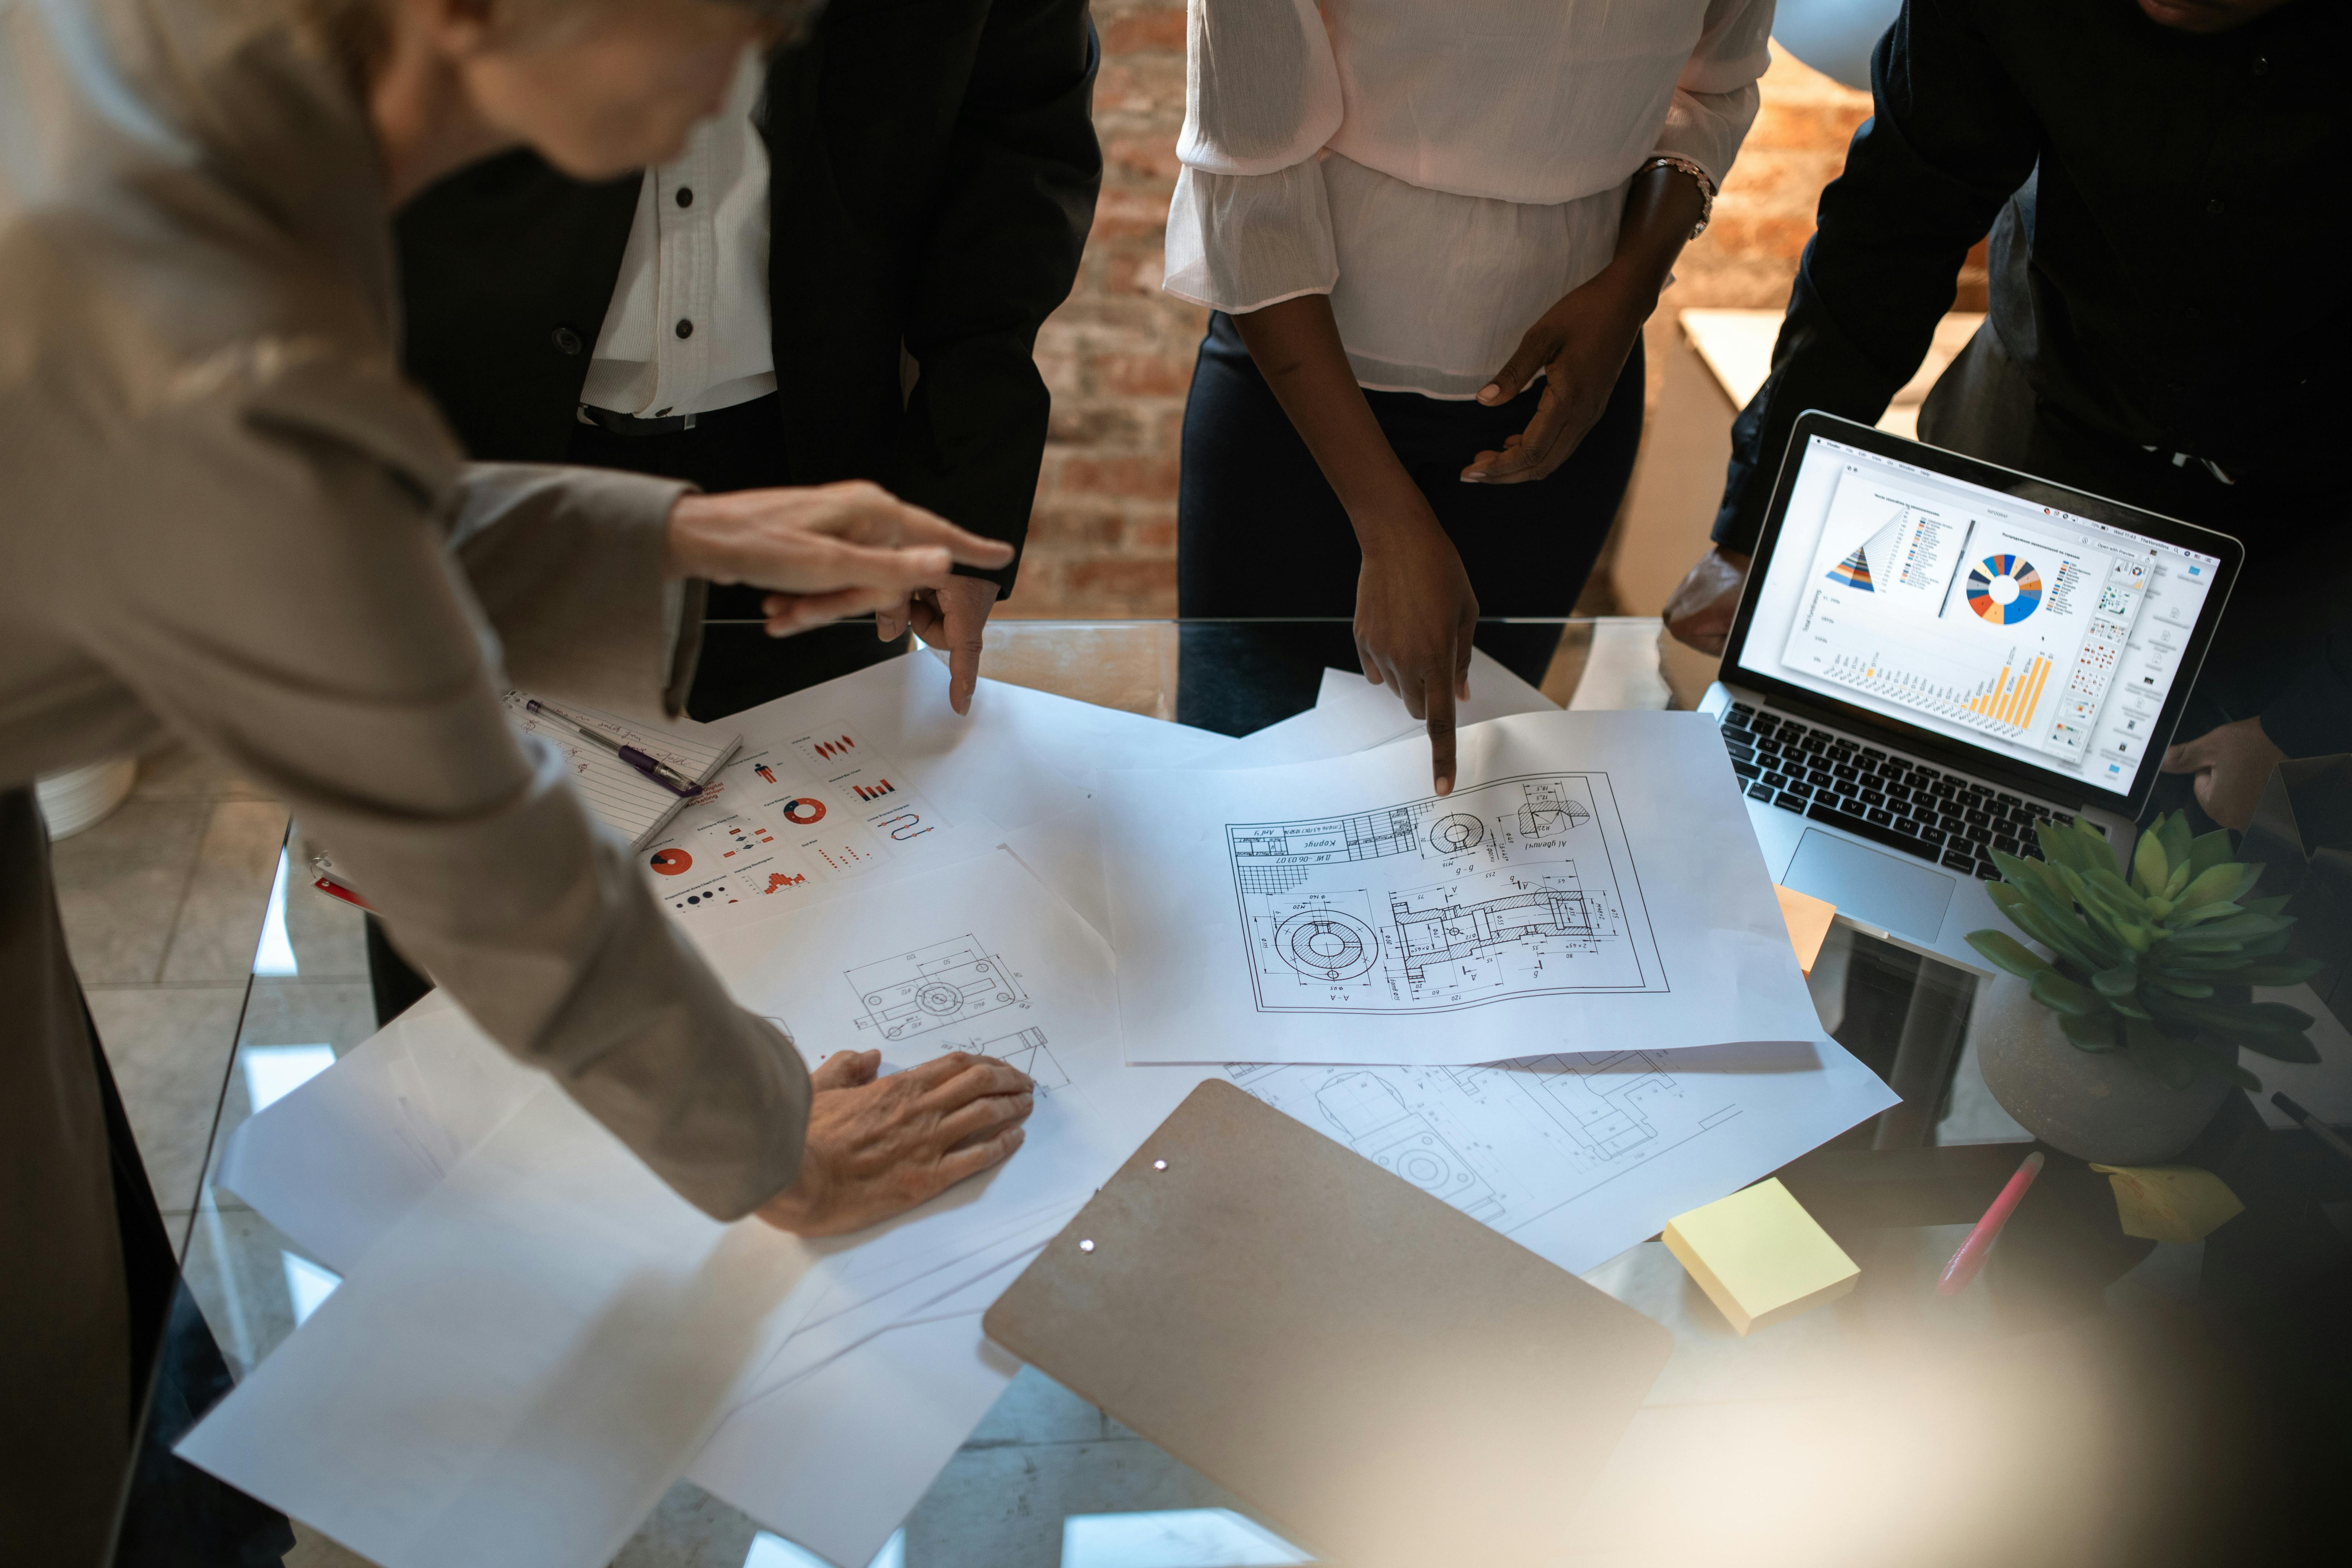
(2149, 981)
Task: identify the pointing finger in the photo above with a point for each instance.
(1440, 697)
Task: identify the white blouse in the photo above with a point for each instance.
(1443, 169)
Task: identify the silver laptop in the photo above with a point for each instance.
(1935, 654)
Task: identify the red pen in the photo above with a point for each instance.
(1971, 1256)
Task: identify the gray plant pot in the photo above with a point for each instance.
(2094, 1105)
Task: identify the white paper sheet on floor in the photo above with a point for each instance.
(1593, 877)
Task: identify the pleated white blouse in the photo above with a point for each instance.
(1443, 169)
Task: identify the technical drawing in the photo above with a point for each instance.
(1549, 810)
(1433, 936)
(1505, 1144)
(1597, 1098)
(1453, 834)
(1026, 1051)
(1518, 888)
(1372, 1119)
(933, 987)
(1328, 943)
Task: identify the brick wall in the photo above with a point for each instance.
(1118, 355)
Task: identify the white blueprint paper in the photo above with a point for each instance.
(837, 1461)
(1577, 1157)
(1593, 878)
(521, 1365)
(452, 1346)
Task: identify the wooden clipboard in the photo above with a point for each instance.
(1384, 1377)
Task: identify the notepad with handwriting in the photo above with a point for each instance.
(621, 797)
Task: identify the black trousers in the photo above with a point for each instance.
(1260, 533)
(737, 448)
(105, 1360)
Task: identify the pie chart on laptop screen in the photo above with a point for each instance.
(2004, 589)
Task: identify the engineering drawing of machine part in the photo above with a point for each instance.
(1452, 834)
(1373, 1117)
(1610, 1124)
(1437, 936)
(1025, 1052)
(1549, 810)
(1325, 943)
(932, 988)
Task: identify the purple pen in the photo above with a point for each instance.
(652, 767)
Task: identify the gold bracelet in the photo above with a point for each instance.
(1705, 186)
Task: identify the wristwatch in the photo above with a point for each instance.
(1705, 186)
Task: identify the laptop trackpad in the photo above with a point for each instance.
(1884, 890)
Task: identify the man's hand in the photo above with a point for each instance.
(829, 551)
(1415, 613)
(1579, 344)
(2231, 764)
(952, 616)
(1701, 610)
(879, 1146)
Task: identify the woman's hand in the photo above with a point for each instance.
(1415, 613)
(829, 551)
(879, 1146)
(1580, 345)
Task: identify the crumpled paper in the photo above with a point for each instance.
(2171, 1203)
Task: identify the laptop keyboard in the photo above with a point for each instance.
(1825, 777)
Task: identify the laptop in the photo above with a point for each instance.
(1934, 655)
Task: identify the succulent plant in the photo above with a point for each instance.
(2159, 966)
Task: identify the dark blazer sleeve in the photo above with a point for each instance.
(1950, 140)
(1018, 194)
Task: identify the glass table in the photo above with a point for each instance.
(2131, 1331)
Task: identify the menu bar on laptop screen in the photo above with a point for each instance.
(2034, 634)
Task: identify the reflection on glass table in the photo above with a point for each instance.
(1048, 1478)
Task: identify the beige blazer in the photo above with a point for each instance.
(223, 514)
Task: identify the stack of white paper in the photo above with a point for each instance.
(534, 1338)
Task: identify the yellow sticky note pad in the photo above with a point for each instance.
(1759, 1256)
(1809, 921)
(2171, 1203)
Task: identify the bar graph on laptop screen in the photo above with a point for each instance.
(2047, 638)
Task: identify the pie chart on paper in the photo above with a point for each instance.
(672, 862)
(2004, 589)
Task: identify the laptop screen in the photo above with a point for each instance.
(2023, 631)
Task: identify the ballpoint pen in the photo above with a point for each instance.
(652, 767)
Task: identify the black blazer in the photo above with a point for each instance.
(933, 168)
